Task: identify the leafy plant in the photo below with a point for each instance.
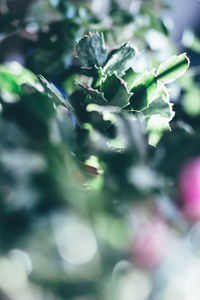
(115, 83)
(93, 185)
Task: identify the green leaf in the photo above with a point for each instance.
(173, 68)
(32, 114)
(120, 60)
(92, 71)
(106, 111)
(97, 96)
(191, 41)
(129, 77)
(53, 92)
(177, 148)
(129, 131)
(13, 76)
(8, 82)
(91, 50)
(159, 25)
(115, 91)
(145, 90)
(156, 125)
(191, 101)
(158, 115)
(149, 86)
(96, 73)
(161, 107)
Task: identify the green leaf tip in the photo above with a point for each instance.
(173, 68)
(151, 84)
(120, 59)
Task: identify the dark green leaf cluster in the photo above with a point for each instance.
(115, 83)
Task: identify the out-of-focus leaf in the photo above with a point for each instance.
(158, 115)
(32, 114)
(120, 16)
(97, 96)
(10, 22)
(69, 83)
(115, 91)
(91, 50)
(66, 8)
(161, 107)
(159, 25)
(191, 101)
(8, 82)
(191, 41)
(156, 125)
(52, 91)
(111, 230)
(51, 53)
(130, 130)
(172, 68)
(120, 59)
(176, 147)
(87, 16)
(13, 76)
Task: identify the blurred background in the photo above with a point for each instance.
(66, 233)
(182, 15)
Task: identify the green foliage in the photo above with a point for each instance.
(114, 89)
(97, 96)
(139, 92)
(13, 76)
(173, 68)
(120, 60)
(91, 50)
(80, 183)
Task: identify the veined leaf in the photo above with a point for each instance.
(172, 68)
(120, 60)
(115, 91)
(97, 96)
(145, 90)
(149, 86)
(91, 50)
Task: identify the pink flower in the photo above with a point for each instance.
(150, 244)
(189, 189)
